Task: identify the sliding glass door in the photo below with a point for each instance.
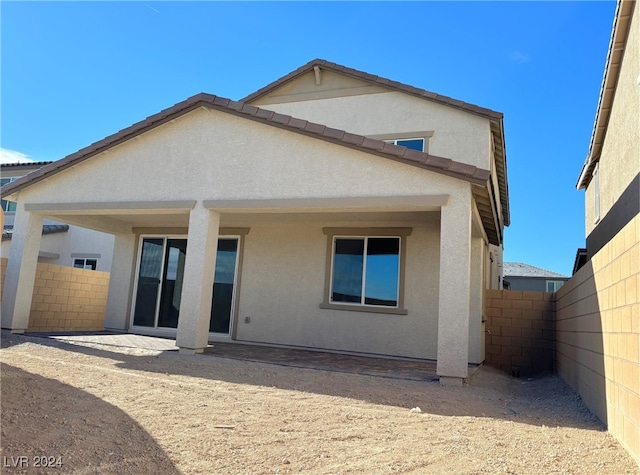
(224, 286)
(160, 278)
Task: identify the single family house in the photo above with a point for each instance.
(520, 276)
(61, 244)
(332, 209)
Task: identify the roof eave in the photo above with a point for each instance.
(496, 118)
(617, 45)
(377, 147)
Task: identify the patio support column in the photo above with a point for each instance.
(476, 313)
(199, 270)
(455, 288)
(117, 312)
(21, 270)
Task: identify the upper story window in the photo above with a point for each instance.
(8, 206)
(411, 143)
(596, 193)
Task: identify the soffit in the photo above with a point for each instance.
(617, 45)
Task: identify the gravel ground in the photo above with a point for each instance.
(92, 409)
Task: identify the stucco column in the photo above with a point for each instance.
(455, 289)
(476, 308)
(199, 270)
(21, 271)
(116, 316)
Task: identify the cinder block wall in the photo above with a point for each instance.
(521, 331)
(65, 298)
(598, 335)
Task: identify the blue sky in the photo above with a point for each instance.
(75, 72)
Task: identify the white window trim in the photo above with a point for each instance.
(555, 283)
(85, 259)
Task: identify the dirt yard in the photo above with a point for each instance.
(97, 409)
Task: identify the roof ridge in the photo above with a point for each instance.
(382, 81)
(534, 267)
(378, 147)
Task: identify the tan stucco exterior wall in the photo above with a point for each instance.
(457, 135)
(210, 155)
(282, 287)
(620, 157)
(207, 154)
(65, 299)
(598, 335)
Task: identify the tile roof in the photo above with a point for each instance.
(496, 118)
(518, 269)
(415, 91)
(24, 164)
(617, 46)
(7, 232)
(377, 147)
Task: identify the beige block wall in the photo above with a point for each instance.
(521, 331)
(598, 335)
(66, 299)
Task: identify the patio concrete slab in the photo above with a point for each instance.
(416, 370)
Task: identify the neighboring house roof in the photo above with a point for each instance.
(24, 164)
(617, 45)
(378, 147)
(7, 232)
(518, 269)
(496, 118)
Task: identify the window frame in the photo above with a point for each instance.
(425, 135)
(364, 233)
(555, 283)
(8, 203)
(395, 142)
(596, 193)
(85, 259)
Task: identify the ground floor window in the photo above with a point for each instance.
(366, 271)
(90, 264)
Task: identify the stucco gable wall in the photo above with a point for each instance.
(458, 135)
(207, 154)
(619, 160)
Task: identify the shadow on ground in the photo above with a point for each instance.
(44, 417)
(545, 401)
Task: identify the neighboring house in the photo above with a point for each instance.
(290, 219)
(60, 244)
(519, 276)
(598, 309)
